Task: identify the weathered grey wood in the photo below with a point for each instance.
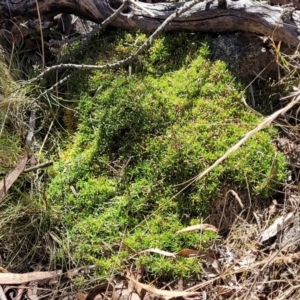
(240, 15)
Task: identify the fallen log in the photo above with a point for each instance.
(279, 23)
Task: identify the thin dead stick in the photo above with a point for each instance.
(251, 109)
(43, 165)
(60, 82)
(42, 36)
(47, 135)
(236, 196)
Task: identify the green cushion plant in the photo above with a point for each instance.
(139, 138)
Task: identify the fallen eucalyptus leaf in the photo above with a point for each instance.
(14, 278)
(12, 176)
(158, 251)
(189, 253)
(203, 227)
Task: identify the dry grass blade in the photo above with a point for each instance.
(13, 278)
(12, 176)
(158, 251)
(236, 196)
(202, 227)
(159, 292)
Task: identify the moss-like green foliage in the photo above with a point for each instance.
(139, 139)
